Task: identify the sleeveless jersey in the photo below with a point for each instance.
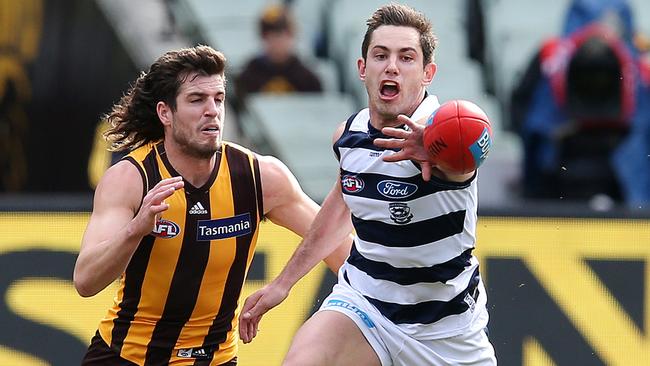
(412, 254)
(177, 300)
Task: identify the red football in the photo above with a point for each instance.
(458, 137)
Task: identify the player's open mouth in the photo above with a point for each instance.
(210, 130)
(388, 89)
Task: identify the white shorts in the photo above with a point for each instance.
(395, 348)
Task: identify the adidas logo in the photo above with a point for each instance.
(198, 209)
(200, 353)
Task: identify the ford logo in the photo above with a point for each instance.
(395, 189)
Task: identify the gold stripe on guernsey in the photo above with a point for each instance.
(158, 277)
(152, 326)
(222, 255)
(106, 326)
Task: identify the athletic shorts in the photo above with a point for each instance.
(395, 348)
(100, 354)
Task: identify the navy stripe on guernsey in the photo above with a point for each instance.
(373, 180)
(428, 293)
(426, 312)
(442, 272)
(186, 281)
(137, 267)
(410, 235)
(360, 139)
(242, 185)
(347, 128)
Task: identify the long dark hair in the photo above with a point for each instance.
(134, 120)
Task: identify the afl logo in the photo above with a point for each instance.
(165, 229)
(352, 183)
(395, 189)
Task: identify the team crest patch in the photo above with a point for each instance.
(165, 229)
(400, 213)
(229, 227)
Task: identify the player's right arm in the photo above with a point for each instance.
(117, 224)
(331, 226)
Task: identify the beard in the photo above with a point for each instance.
(191, 148)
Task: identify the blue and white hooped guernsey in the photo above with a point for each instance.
(412, 254)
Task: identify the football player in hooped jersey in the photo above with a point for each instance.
(410, 292)
(178, 218)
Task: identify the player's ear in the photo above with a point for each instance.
(429, 72)
(164, 113)
(361, 65)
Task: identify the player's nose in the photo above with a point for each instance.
(211, 108)
(392, 68)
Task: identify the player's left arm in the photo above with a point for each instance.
(287, 205)
(411, 147)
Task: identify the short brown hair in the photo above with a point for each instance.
(401, 15)
(134, 120)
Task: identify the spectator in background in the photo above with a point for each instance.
(277, 69)
(582, 107)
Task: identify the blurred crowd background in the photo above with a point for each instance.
(565, 84)
(564, 195)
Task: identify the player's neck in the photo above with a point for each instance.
(379, 123)
(194, 170)
(379, 120)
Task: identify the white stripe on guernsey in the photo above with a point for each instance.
(443, 328)
(452, 324)
(423, 208)
(356, 161)
(471, 320)
(360, 122)
(409, 294)
(428, 105)
(425, 255)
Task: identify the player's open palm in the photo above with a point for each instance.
(153, 204)
(408, 142)
(257, 305)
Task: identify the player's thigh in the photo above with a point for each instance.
(330, 338)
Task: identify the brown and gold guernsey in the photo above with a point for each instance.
(177, 300)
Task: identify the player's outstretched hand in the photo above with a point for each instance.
(409, 142)
(257, 305)
(153, 204)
